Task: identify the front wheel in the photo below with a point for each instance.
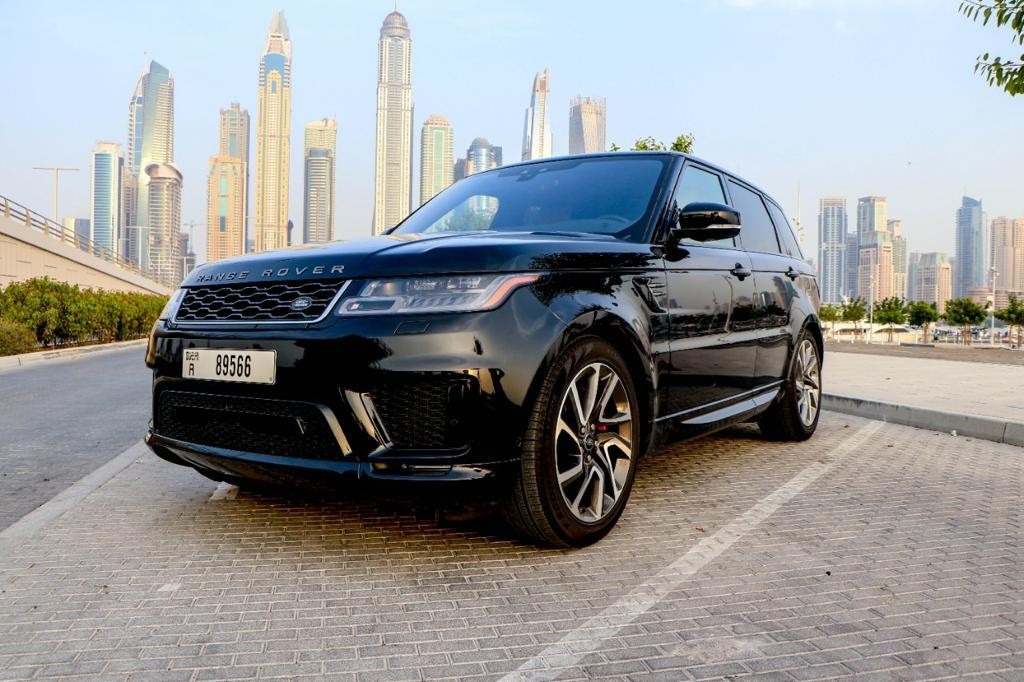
(794, 415)
(579, 452)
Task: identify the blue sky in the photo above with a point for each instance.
(847, 97)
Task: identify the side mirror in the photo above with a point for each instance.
(707, 222)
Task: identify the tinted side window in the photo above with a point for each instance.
(790, 246)
(756, 230)
(698, 184)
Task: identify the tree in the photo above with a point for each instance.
(1013, 316)
(964, 313)
(921, 314)
(854, 311)
(890, 311)
(1003, 73)
(683, 143)
(830, 313)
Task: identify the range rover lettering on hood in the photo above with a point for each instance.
(272, 272)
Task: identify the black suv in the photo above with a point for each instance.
(522, 338)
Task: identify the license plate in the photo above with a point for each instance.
(246, 366)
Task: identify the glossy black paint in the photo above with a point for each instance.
(707, 330)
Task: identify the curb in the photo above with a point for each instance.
(984, 428)
(12, 361)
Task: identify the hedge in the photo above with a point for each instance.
(15, 338)
(59, 313)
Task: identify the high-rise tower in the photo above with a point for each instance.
(227, 187)
(536, 129)
(106, 208)
(972, 248)
(319, 150)
(273, 125)
(393, 169)
(587, 117)
(150, 140)
(163, 219)
(832, 249)
(436, 157)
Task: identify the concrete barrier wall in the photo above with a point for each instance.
(26, 253)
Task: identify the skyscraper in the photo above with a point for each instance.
(150, 140)
(1007, 255)
(899, 259)
(227, 187)
(872, 217)
(912, 264)
(587, 117)
(320, 149)
(106, 207)
(436, 152)
(273, 126)
(852, 263)
(393, 170)
(163, 219)
(481, 156)
(933, 279)
(832, 249)
(972, 247)
(875, 274)
(536, 129)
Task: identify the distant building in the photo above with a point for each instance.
(1007, 255)
(899, 259)
(392, 196)
(872, 217)
(150, 140)
(832, 249)
(227, 187)
(587, 123)
(933, 279)
(273, 129)
(912, 263)
(459, 170)
(320, 150)
(875, 273)
(164, 222)
(106, 209)
(852, 263)
(76, 230)
(481, 156)
(436, 152)
(536, 128)
(972, 247)
(188, 256)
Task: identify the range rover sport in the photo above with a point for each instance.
(524, 337)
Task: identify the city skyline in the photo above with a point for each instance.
(924, 233)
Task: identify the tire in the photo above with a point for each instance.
(561, 498)
(794, 414)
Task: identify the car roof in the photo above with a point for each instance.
(690, 157)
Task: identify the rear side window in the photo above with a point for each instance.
(698, 184)
(787, 240)
(756, 230)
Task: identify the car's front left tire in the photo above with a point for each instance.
(579, 451)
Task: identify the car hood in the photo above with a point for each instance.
(418, 254)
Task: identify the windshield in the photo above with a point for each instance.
(610, 195)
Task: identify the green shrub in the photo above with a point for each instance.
(56, 312)
(15, 338)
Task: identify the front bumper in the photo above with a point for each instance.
(402, 401)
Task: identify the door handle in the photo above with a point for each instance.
(740, 272)
(792, 273)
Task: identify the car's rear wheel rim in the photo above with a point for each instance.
(594, 442)
(808, 382)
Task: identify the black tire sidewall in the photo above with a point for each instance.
(562, 520)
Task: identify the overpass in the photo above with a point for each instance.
(32, 245)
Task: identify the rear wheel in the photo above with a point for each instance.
(578, 459)
(794, 415)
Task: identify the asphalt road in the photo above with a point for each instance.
(61, 419)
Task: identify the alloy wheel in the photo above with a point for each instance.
(594, 442)
(808, 382)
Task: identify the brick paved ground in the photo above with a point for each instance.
(972, 388)
(902, 559)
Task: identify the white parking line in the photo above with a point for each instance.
(587, 639)
(224, 491)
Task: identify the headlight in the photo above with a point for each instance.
(448, 294)
(172, 305)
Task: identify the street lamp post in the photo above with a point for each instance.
(57, 170)
(992, 312)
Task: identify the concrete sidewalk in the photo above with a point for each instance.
(971, 398)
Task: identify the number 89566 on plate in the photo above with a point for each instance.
(217, 364)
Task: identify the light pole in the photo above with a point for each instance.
(871, 302)
(992, 312)
(57, 170)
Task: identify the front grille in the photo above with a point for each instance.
(270, 427)
(423, 413)
(257, 302)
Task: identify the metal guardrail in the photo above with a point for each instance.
(15, 211)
